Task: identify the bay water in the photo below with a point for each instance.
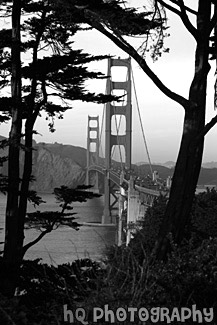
(64, 244)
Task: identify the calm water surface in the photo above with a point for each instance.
(65, 245)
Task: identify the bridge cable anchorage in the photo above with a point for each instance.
(140, 119)
(118, 125)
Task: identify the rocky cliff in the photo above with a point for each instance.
(55, 165)
(52, 167)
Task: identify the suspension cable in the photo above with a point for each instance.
(140, 119)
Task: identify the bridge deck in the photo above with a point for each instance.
(116, 178)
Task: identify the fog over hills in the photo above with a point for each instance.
(56, 164)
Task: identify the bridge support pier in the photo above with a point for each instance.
(92, 153)
(121, 208)
(109, 191)
(111, 139)
(106, 217)
(133, 209)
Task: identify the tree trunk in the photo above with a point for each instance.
(191, 151)
(33, 111)
(17, 200)
(12, 251)
(27, 171)
(183, 187)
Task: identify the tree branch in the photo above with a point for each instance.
(169, 7)
(49, 229)
(213, 21)
(176, 11)
(191, 11)
(35, 58)
(207, 127)
(5, 317)
(186, 21)
(35, 241)
(141, 61)
(182, 14)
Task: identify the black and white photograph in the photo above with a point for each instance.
(108, 162)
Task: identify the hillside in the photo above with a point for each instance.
(78, 154)
(58, 164)
(163, 172)
(55, 165)
(208, 176)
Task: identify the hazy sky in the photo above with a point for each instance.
(162, 118)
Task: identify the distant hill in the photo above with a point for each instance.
(78, 154)
(171, 164)
(208, 176)
(56, 164)
(144, 170)
(168, 164)
(212, 164)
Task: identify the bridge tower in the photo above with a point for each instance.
(111, 139)
(92, 147)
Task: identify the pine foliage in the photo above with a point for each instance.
(55, 70)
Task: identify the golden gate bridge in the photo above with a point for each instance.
(119, 183)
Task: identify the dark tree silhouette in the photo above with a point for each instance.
(48, 221)
(55, 71)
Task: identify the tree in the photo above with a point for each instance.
(59, 73)
(48, 221)
(103, 16)
(12, 221)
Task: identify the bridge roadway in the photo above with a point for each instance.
(147, 195)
